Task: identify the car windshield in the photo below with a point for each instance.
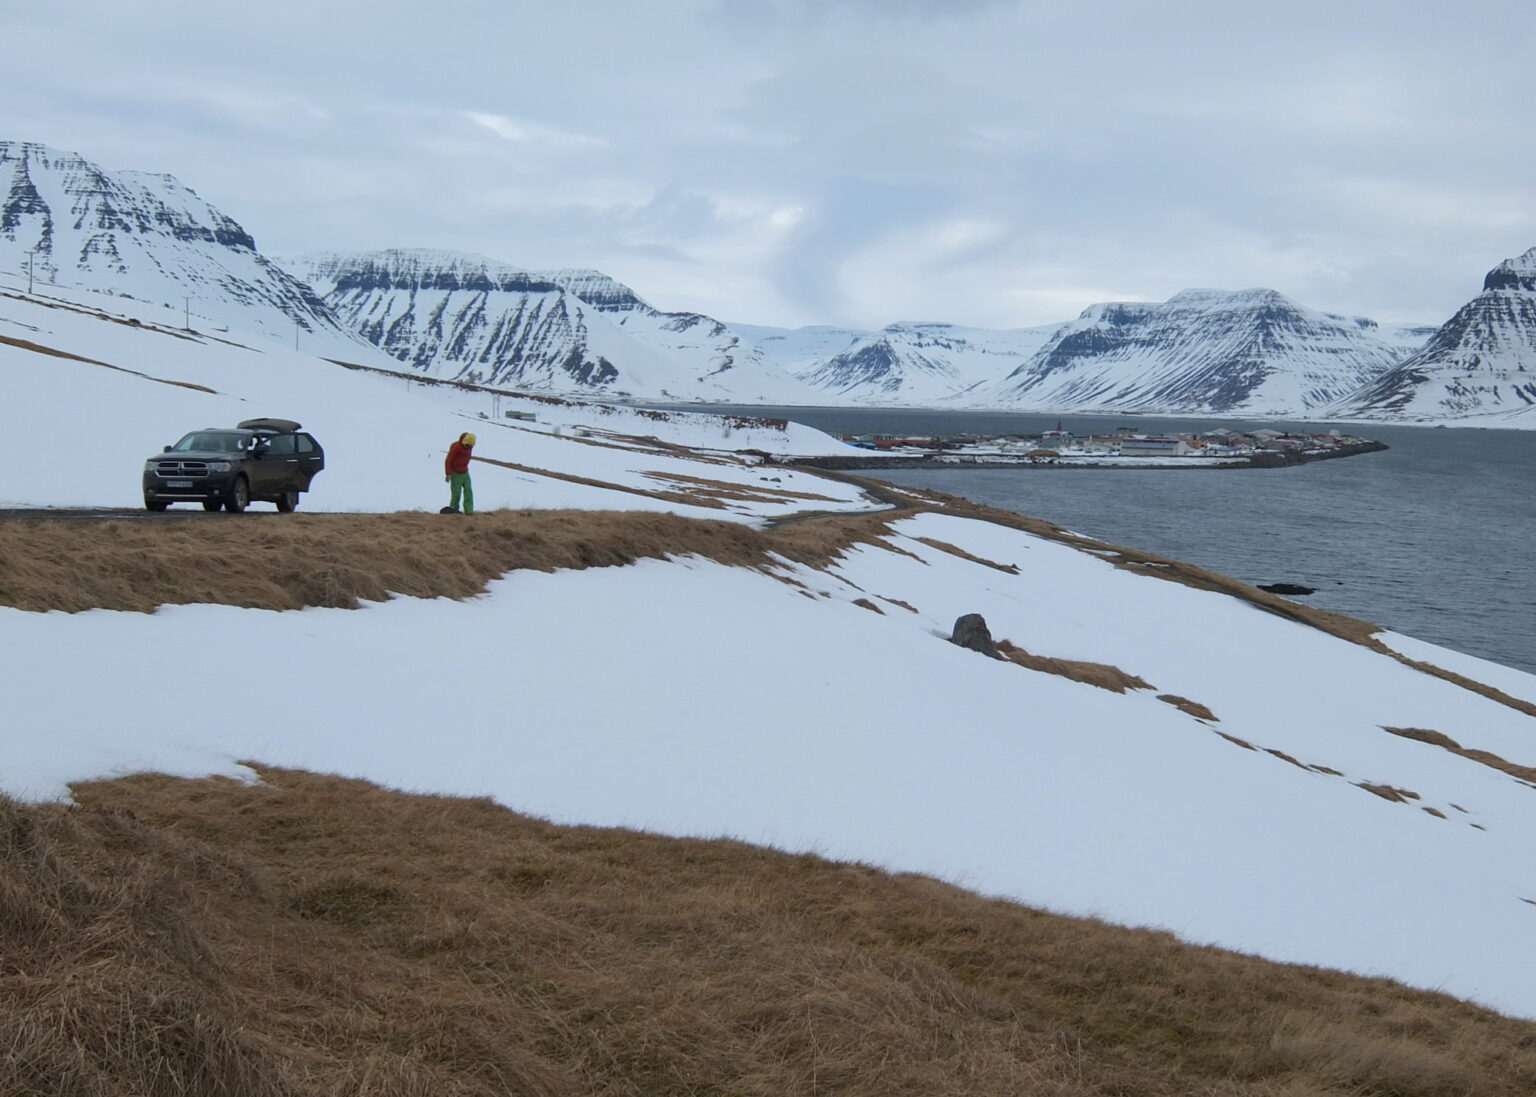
(211, 441)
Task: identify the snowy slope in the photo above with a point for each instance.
(1253, 352)
(901, 365)
(748, 709)
(129, 380)
(470, 318)
(1480, 367)
(145, 236)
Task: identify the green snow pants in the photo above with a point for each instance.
(458, 484)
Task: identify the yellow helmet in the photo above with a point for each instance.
(468, 439)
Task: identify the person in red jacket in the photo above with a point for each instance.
(456, 473)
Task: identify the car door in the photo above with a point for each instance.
(311, 459)
(280, 466)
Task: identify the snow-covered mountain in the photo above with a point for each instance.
(1252, 352)
(1480, 365)
(146, 236)
(470, 318)
(902, 364)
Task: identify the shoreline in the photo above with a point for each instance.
(1264, 460)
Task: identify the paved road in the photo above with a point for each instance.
(77, 514)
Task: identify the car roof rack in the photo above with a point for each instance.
(273, 426)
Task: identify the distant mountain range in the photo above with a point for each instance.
(469, 318)
(1251, 353)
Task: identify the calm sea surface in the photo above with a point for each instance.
(1433, 537)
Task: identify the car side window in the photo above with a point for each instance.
(281, 444)
(306, 443)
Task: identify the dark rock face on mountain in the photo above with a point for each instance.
(875, 365)
(1252, 352)
(1481, 363)
(461, 317)
(144, 236)
(469, 318)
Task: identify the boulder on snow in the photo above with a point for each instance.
(971, 632)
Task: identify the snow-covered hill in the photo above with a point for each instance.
(129, 379)
(470, 318)
(1275, 788)
(1479, 367)
(1253, 352)
(146, 236)
(902, 365)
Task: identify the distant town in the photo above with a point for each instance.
(1125, 447)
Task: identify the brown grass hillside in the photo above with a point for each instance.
(317, 936)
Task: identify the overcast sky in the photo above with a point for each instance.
(992, 162)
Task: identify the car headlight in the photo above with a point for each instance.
(219, 466)
(149, 466)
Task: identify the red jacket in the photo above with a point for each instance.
(458, 457)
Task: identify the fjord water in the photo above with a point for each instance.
(1432, 537)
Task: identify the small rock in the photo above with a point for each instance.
(971, 632)
(1287, 588)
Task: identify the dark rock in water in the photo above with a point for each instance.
(1287, 588)
(971, 632)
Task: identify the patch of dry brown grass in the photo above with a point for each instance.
(1185, 705)
(312, 935)
(296, 560)
(52, 352)
(1388, 792)
(724, 489)
(956, 550)
(1102, 675)
(1487, 758)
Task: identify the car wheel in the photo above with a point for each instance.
(287, 500)
(239, 496)
(150, 504)
(212, 504)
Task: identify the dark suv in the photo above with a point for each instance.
(262, 460)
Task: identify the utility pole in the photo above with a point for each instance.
(30, 253)
(187, 312)
(295, 335)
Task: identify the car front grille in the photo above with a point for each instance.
(173, 469)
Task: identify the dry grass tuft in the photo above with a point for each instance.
(1388, 792)
(1284, 757)
(867, 604)
(312, 935)
(723, 489)
(1487, 758)
(1094, 674)
(1193, 708)
(38, 348)
(956, 550)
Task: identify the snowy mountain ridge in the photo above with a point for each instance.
(468, 318)
(1250, 352)
(65, 221)
(1480, 366)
